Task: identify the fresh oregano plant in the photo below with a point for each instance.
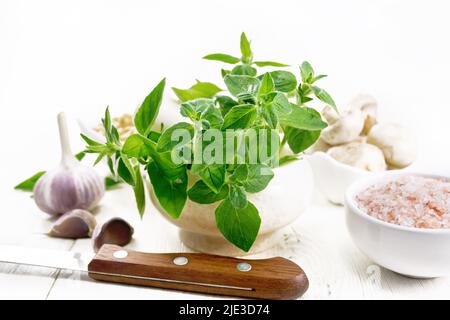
(259, 111)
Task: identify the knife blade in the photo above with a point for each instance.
(274, 278)
(56, 259)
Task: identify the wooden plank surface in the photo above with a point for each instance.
(317, 241)
(24, 225)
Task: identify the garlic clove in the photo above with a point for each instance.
(115, 231)
(74, 224)
(71, 185)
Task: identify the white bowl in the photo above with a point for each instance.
(286, 197)
(414, 252)
(333, 177)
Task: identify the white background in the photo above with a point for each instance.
(80, 56)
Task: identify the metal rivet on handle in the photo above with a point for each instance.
(180, 261)
(244, 266)
(120, 254)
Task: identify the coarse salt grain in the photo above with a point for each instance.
(409, 200)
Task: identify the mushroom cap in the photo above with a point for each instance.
(397, 142)
(359, 154)
(330, 115)
(346, 128)
(368, 105)
(356, 119)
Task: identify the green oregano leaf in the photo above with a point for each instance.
(252, 177)
(222, 57)
(166, 143)
(299, 140)
(244, 70)
(240, 226)
(258, 177)
(270, 116)
(288, 158)
(198, 90)
(213, 175)
(237, 196)
(90, 141)
(171, 193)
(28, 184)
(270, 64)
(281, 104)
(285, 81)
(225, 104)
(242, 86)
(240, 117)
(324, 96)
(247, 55)
(80, 155)
(107, 125)
(137, 146)
(149, 109)
(267, 85)
(303, 118)
(139, 191)
(126, 171)
(111, 182)
(224, 72)
(203, 194)
(320, 76)
(307, 72)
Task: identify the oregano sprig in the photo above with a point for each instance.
(253, 102)
(245, 61)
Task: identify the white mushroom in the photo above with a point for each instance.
(369, 107)
(360, 155)
(346, 128)
(355, 120)
(330, 115)
(319, 145)
(397, 143)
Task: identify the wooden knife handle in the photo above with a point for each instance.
(275, 278)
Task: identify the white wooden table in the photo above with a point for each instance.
(317, 241)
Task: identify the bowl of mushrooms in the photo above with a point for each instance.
(355, 144)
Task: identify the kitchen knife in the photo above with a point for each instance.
(274, 278)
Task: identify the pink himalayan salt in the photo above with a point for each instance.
(410, 201)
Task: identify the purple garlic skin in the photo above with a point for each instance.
(71, 185)
(67, 188)
(74, 224)
(115, 231)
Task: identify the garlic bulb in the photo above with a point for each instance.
(74, 224)
(69, 186)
